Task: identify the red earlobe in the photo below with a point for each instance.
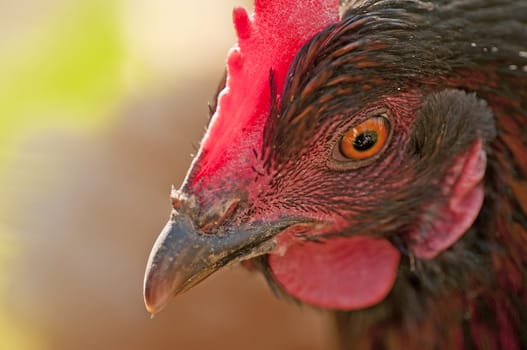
(465, 193)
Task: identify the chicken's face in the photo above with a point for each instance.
(336, 171)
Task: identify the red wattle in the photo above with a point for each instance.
(340, 273)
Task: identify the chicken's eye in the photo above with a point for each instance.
(366, 139)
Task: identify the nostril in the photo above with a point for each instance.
(182, 202)
(231, 209)
(176, 199)
(212, 221)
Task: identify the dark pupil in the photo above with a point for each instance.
(365, 140)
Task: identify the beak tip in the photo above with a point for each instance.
(154, 302)
(152, 308)
(156, 294)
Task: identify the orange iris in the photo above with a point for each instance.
(365, 140)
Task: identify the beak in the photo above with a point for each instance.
(183, 256)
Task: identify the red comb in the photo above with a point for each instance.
(268, 40)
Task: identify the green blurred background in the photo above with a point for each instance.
(100, 104)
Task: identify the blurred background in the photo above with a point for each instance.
(101, 102)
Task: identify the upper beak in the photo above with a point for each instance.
(183, 256)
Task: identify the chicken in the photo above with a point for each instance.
(371, 163)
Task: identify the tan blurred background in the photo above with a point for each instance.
(100, 105)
